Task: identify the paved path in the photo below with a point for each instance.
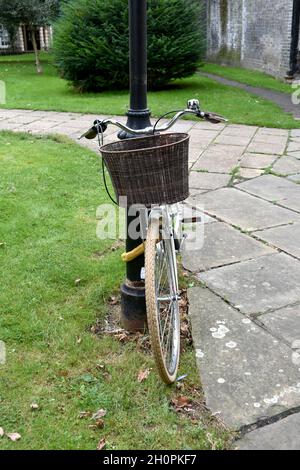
(282, 99)
(246, 311)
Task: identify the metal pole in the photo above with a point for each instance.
(133, 290)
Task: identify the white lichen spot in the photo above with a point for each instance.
(246, 321)
(199, 354)
(247, 373)
(271, 401)
(221, 381)
(221, 332)
(280, 371)
(256, 405)
(231, 345)
(213, 329)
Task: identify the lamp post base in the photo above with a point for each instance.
(137, 119)
(133, 307)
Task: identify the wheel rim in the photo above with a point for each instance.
(167, 306)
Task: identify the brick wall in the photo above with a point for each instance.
(253, 33)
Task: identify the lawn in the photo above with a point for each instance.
(248, 77)
(56, 281)
(26, 89)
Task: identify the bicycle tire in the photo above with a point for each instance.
(167, 372)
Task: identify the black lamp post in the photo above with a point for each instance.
(133, 290)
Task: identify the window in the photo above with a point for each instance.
(4, 38)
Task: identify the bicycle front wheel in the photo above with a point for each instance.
(162, 301)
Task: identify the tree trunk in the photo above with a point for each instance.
(39, 68)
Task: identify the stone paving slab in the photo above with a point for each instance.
(271, 148)
(233, 140)
(293, 154)
(285, 324)
(200, 180)
(249, 173)
(292, 203)
(272, 132)
(286, 237)
(257, 160)
(239, 131)
(294, 178)
(293, 147)
(235, 357)
(257, 286)
(282, 435)
(270, 187)
(222, 245)
(287, 166)
(243, 210)
(8, 126)
(219, 158)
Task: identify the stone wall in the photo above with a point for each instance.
(252, 33)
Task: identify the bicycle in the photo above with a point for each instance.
(164, 235)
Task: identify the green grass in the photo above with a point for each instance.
(249, 77)
(26, 89)
(49, 191)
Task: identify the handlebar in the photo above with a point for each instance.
(193, 107)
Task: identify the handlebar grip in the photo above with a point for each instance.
(214, 118)
(93, 131)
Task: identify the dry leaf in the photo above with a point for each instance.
(63, 373)
(122, 337)
(34, 406)
(100, 424)
(2, 244)
(84, 414)
(78, 340)
(99, 414)
(14, 436)
(102, 443)
(181, 402)
(1, 432)
(113, 300)
(143, 375)
(77, 282)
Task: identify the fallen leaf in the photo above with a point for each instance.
(113, 300)
(14, 436)
(99, 414)
(181, 402)
(100, 424)
(2, 244)
(63, 373)
(77, 282)
(1, 432)
(34, 406)
(84, 414)
(102, 443)
(122, 337)
(143, 375)
(78, 340)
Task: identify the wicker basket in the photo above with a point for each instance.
(149, 170)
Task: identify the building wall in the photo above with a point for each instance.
(252, 33)
(44, 36)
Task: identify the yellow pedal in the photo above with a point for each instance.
(131, 255)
